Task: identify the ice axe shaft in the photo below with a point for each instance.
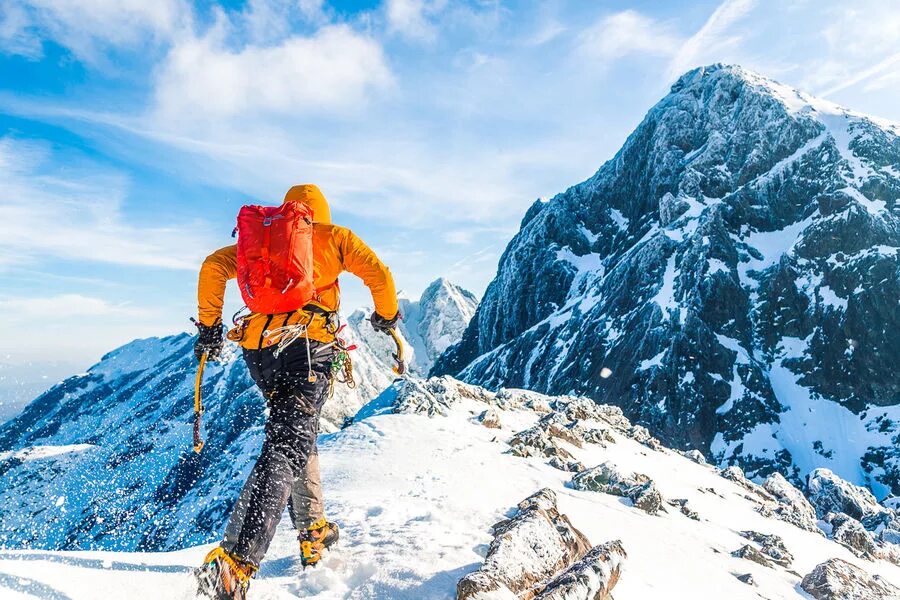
(400, 366)
(198, 403)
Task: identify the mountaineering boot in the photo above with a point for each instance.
(317, 537)
(223, 577)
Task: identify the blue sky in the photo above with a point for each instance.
(132, 131)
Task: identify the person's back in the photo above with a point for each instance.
(295, 379)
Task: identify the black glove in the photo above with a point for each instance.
(210, 339)
(383, 325)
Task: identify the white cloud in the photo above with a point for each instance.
(712, 39)
(624, 33)
(43, 214)
(88, 27)
(332, 70)
(410, 18)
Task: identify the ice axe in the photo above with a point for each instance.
(198, 403)
(400, 366)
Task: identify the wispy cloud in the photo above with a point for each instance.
(883, 67)
(44, 214)
(710, 41)
(411, 18)
(89, 27)
(624, 33)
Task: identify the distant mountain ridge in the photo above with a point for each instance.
(735, 266)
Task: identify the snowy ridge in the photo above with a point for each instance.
(417, 481)
(735, 267)
(104, 457)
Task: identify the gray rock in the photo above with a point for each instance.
(591, 578)
(792, 506)
(750, 553)
(836, 579)
(828, 493)
(490, 418)
(527, 550)
(772, 546)
(850, 533)
(607, 479)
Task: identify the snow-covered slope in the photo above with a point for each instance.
(103, 458)
(735, 267)
(417, 481)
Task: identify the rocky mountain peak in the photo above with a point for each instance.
(734, 267)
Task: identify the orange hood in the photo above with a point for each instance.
(312, 196)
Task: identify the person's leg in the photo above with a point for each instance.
(307, 505)
(290, 436)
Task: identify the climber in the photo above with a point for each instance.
(288, 342)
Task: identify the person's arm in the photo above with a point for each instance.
(217, 269)
(360, 260)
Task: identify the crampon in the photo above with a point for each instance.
(223, 577)
(320, 536)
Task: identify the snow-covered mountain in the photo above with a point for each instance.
(102, 460)
(436, 321)
(430, 485)
(735, 268)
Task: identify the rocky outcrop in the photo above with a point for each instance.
(837, 579)
(851, 534)
(771, 546)
(591, 578)
(792, 506)
(538, 552)
(828, 493)
(607, 479)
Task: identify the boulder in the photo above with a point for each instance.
(850, 533)
(527, 550)
(591, 578)
(836, 579)
(828, 493)
(749, 552)
(696, 456)
(735, 474)
(490, 418)
(792, 506)
(772, 546)
(607, 479)
(537, 441)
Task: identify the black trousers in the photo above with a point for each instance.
(293, 403)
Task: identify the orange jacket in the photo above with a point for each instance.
(335, 250)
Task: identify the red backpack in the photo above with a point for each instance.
(275, 257)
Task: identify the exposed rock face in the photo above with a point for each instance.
(735, 266)
(829, 493)
(607, 479)
(527, 550)
(837, 579)
(591, 578)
